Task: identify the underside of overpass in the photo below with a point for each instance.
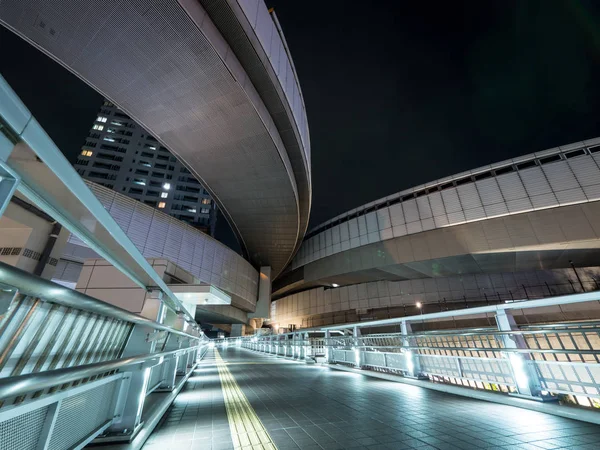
(200, 77)
(547, 239)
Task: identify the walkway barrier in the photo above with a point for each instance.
(541, 361)
(74, 369)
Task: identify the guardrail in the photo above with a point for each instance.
(74, 369)
(546, 361)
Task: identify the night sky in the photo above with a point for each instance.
(397, 93)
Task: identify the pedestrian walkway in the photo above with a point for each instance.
(302, 406)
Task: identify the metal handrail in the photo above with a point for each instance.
(450, 333)
(517, 304)
(479, 349)
(23, 384)
(37, 287)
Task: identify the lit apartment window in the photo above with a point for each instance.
(140, 181)
(204, 211)
(87, 153)
(145, 163)
(192, 210)
(167, 186)
(98, 127)
(164, 194)
(162, 205)
(108, 139)
(206, 201)
(101, 119)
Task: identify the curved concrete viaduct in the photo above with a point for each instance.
(214, 82)
(536, 212)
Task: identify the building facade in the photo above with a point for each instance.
(121, 155)
(520, 229)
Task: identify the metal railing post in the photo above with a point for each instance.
(133, 389)
(524, 374)
(358, 351)
(413, 366)
(328, 348)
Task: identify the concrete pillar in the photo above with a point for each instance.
(237, 330)
(263, 303)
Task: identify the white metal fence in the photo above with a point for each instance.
(549, 360)
(73, 368)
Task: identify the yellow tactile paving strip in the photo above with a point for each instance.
(247, 431)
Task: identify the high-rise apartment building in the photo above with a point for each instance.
(121, 155)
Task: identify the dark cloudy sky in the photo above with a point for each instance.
(398, 93)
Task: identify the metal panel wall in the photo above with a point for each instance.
(569, 180)
(156, 234)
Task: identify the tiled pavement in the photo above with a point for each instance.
(313, 407)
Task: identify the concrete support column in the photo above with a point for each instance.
(237, 330)
(524, 374)
(263, 303)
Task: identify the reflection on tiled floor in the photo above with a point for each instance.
(197, 419)
(313, 407)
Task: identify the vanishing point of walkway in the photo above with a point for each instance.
(239, 399)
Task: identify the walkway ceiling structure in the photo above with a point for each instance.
(216, 86)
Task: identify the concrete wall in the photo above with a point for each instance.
(297, 308)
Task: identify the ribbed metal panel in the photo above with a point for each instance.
(139, 226)
(451, 201)
(469, 196)
(560, 176)
(414, 227)
(353, 227)
(335, 234)
(362, 226)
(437, 204)
(173, 241)
(519, 205)
(586, 172)
(535, 181)
(592, 192)
(543, 200)
(456, 217)
(489, 191)
(371, 220)
(122, 210)
(411, 212)
(397, 215)
(476, 213)
(568, 196)
(511, 186)
(424, 208)
(383, 218)
(328, 238)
